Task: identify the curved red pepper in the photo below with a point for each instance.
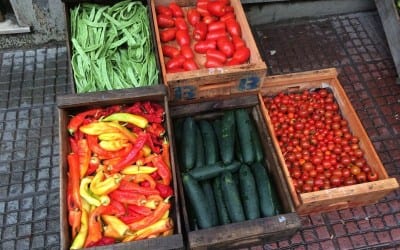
(78, 119)
(154, 217)
(134, 187)
(165, 190)
(162, 169)
(128, 197)
(129, 158)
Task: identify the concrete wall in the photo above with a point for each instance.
(47, 19)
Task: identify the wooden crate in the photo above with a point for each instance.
(250, 232)
(71, 104)
(334, 198)
(390, 18)
(206, 83)
(70, 4)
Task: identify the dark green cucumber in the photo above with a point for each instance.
(231, 195)
(223, 217)
(238, 150)
(178, 127)
(209, 141)
(216, 124)
(248, 193)
(210, 199)
(257, 146)
(232, 167)
(267, 206)
(243, 124)
(207, 172)
(195, 196)
(200, 159)
(228, 132)
(188, 145)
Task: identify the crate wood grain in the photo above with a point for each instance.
(204, 83)
(72, 104)
(250, 232)
(334, 198)
(390, 18)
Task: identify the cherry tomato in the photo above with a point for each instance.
(335, 181)
(355, 170)
(227, 16)
(213, 63)
(193, 16)
(372, 176)
(167, 35)
(208, 19)
(361, 177)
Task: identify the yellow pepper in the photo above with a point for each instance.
(158, 227)
(112, 136)
(119, 226)
(100, 186)
(136, 120)
(97, 128)
(113, 145)
(86, 194)
(135, 169)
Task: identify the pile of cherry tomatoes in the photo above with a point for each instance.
(319, 149)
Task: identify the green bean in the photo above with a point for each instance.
(112, 47)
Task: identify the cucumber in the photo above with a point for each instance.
(228, 131)
(238, 150)
(188, 145)
(216, 124)
(207, 172)
(231, 195)
(200, 159)
(233, 167)
(195, 196)
(243, 124)
(257, 146)
(209, 141)
(209, 195)
(223, 217)
(248, 193)
(267, 206)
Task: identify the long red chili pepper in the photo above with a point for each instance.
(134, 187)
(145, 211)
(148, 220)
(95, 227)
(84, 156)
(165, 152)
(78, 119)
(128, 159)
(73, 197)
(128, 197)
(162, 169)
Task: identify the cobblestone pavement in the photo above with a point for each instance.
(30, 80)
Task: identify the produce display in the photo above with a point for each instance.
(112, 47)
(222, 168)
(206, 35)
(319, 149)
(119, 175)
